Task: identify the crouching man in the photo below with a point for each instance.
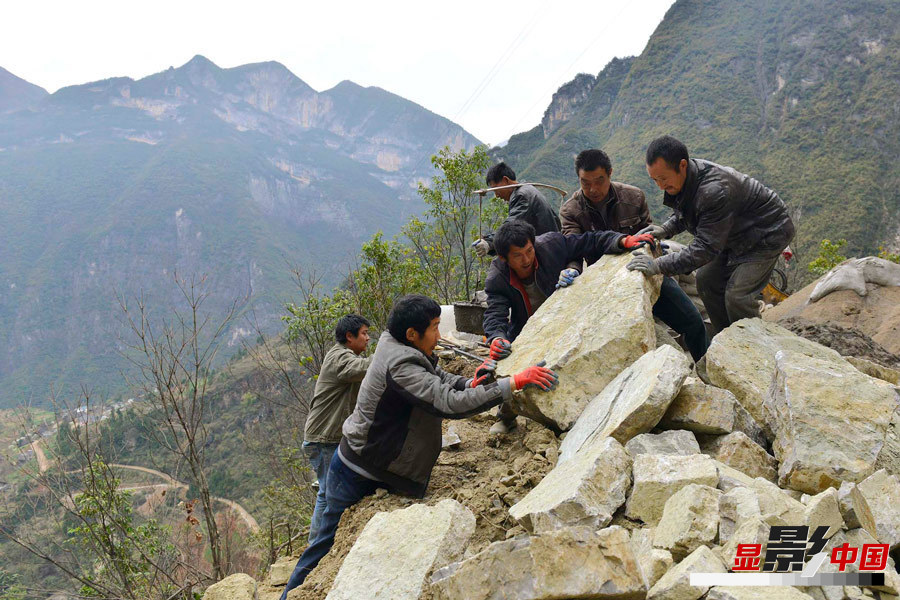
(393, 437)
(740, 229)
(526, 272)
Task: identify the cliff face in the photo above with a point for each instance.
(116, 185)
(566, 101)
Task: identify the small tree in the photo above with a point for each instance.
(442, 238)
(174, 357)
(829, 257)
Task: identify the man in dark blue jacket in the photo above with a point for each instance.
(526, 272)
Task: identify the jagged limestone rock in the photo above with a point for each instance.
(776, 505)
(632, 403)
(676, 583)
(741, 359)
(690, 519)
(730, 478)
(824, 509)
(701, 408)
(846, 498)
(821, 439)
(588, 333)
(675, 441)
(397, 550)
(872, 369)
(756, 593)
(281, 570)
(586, 491)
(750, 531)
(737, 505)
(740, 452)
(881, 491)
(577, 562)
(239, 586)
(889, 457)
(658, 476)
(655, 562)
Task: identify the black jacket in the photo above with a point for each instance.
(726, 211)
(508, 305)
(528, 204)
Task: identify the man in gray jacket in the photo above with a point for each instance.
(740, 228)
(333, 400)
(526, 203)
(393, 437)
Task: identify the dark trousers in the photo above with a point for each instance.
(345, 488)
(730, 292)
(675, 309)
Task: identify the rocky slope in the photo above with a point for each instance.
(114, 186)
(663, 473)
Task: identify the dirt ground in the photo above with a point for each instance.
(487, 474)
(847, 342)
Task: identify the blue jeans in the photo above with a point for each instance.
(675, 309)
(319, 455)
(345, 488)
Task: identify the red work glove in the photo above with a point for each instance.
(538, 376)
(787, 253)
(483, 372)
(630, 242)
(500, 348)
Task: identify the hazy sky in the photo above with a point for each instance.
(490, 66)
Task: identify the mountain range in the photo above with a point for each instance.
(112, 187)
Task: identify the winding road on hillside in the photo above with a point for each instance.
(171, 483)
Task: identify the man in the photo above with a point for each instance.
(526, 203)
(605, 205)
(393, 437)
(527, 270)
(333, 400)
(740, 228)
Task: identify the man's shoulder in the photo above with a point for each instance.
(531, 193)
(495, 276)
(551, 239)
(629, 194)
(571, 205)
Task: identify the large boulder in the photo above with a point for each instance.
(658, 476)
(690, 519)
(881, 492)
(740, 452)
(586, 490)
(570, 563)
(632, 403)
(701, 408)
(736, 506)
(829, 420)
(397, 550)
(239, 586)
(655, 562)
(741, 359)
(588, 333)
(676, 583)
(675, 441)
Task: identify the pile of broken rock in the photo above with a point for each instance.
(663, 467)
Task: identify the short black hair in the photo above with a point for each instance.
(513, 233)
(349, 324)
(498, 172)
(412, 310)
(591, 160)
(669, 149)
